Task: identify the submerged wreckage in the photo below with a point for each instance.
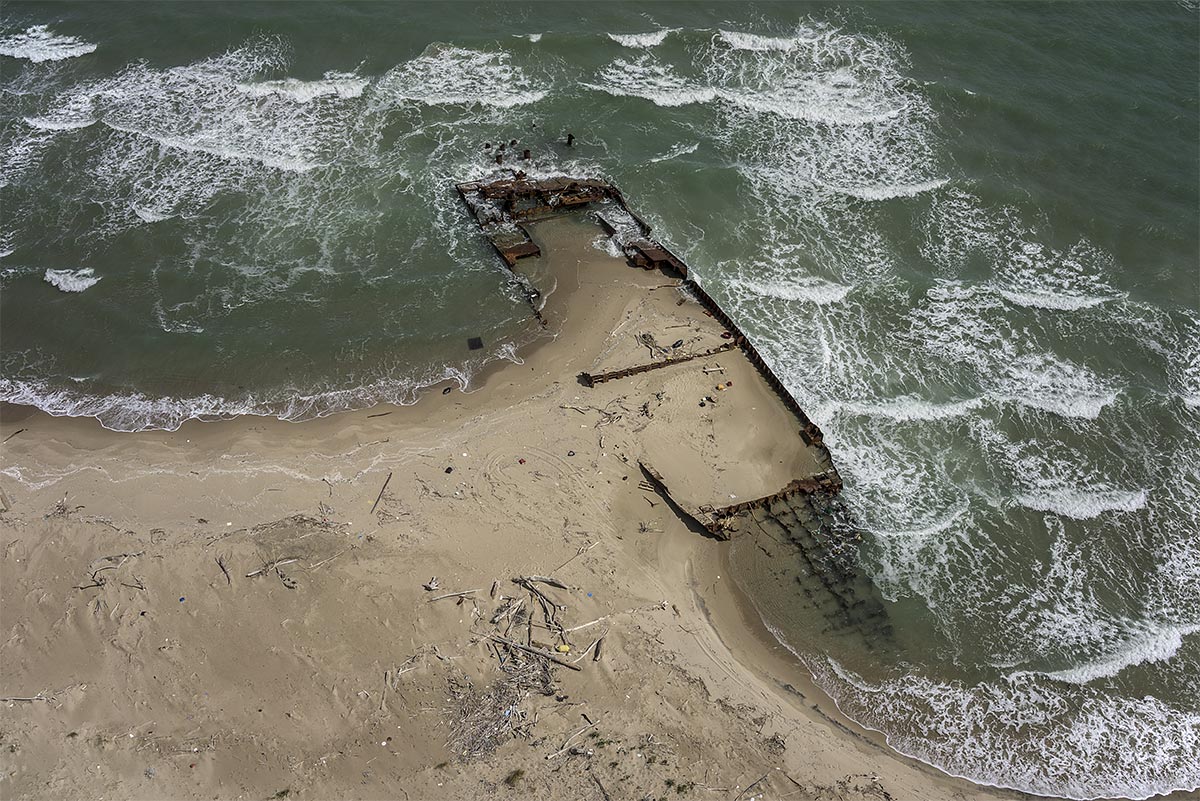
(504, 208)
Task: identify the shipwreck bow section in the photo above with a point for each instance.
(507, 208)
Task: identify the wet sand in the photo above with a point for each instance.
(235, 609)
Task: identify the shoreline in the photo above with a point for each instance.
(728, 654)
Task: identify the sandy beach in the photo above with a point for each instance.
(238, 609)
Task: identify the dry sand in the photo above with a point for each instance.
(160, 667)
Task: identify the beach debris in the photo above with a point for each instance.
(495, 589)
(220, 560)
(381, 489)
(462, 594)
(570, 453)
(678, 344)
(483, 720)
(446, 391)
(13, 434)
(475, 343)
(520, 461)
(60, 509)
(449, 470)
(380, 414)
(432, 584)
(570, 140)
(567, 744)
(580, 552)
(530, 649)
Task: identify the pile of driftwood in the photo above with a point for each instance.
(529, 640)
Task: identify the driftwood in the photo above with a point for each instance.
(269, 566)
(462, 594)
(535, 651)
(381, 489)
(13, 434)
(582, 550)
(751, 786)
(553, 582)
(220, 560)
(567, 744)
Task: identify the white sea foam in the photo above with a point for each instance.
(1082, 504)
(72, 280)
(447, 75)
(39, 43)
(337, 84)
(1029, 733)
(649, 39)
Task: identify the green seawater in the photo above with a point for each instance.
(966, 235)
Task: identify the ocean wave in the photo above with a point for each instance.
(800, 288)
(213, 144)
(150, 215)
(72, 280)
(816, 98)
(893, 191)
(60, 123)
(1154, 643)
(652, 80)
(446, 75)
(739, 40)
(1051, 300)
(39, 43)
(1035, 275)
(1082, 504)
(642, 40)
(338, 84)
(908, 408)
(675, 152)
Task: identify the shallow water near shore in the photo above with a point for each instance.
(964, 236)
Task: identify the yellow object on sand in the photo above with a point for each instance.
(720, 386)
(563, 649)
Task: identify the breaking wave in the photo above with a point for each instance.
(449, 75)
(72, 280)
(1153, 643)
(1083, 504)
(649, 39)
(649, 79)
(39, 43)
(803, 288)
(340, 84)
